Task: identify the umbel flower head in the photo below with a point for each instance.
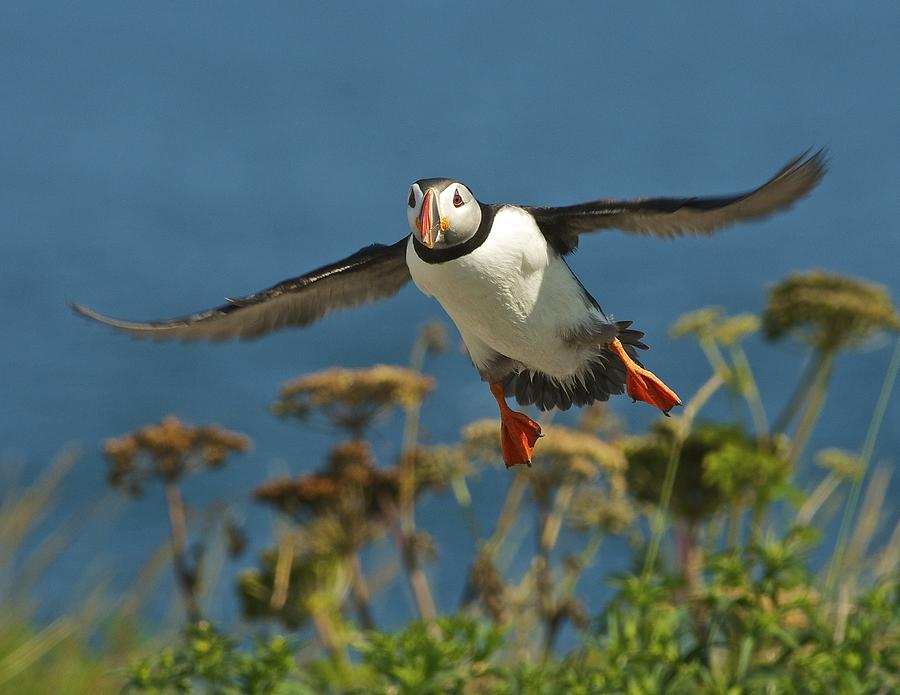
(710, 323)
(168, 451)
(698, 324)
(351, 488)
(352, 398)
(565, 455)
(828, 311)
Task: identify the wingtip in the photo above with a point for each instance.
(80, 310)
(818, 162)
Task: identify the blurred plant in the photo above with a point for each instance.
(82, 646)
(714, 332)
(730, 613)
(167, 452)
(570, 464)
(448, 656)
(338, 512)
(718, 469)
(212, 662)
(829, 313)
(352, 503)
(352, 399)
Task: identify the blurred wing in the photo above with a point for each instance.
(671, 217)
(372, 273)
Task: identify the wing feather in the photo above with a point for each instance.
(372, 273)
(672, 217)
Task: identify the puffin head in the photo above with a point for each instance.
(442, 212)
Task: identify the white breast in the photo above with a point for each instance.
(512, 295)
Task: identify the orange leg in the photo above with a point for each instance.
(644, 385)
(518, 432)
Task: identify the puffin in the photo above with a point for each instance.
(531, 328)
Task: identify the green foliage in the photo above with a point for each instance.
(208, 661)
(718, 465)
(451, 655)
(721, 607)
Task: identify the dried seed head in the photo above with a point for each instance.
(437, 466)
(732, 330)
(434, 337)
(698, 324)
(828, 311)
(167, 451)
(353, 398)
(596, 508)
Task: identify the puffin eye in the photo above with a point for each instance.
(457, 199)
(412, 198)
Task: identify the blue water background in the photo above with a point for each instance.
(156, 157)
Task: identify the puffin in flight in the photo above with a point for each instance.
(531, 328)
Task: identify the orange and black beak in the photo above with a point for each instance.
(429, 221)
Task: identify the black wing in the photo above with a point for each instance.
(372, 273)
(671, 217)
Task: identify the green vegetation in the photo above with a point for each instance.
(722, 596)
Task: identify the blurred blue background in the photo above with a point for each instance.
(156, 157)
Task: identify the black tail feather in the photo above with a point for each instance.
(605, 377)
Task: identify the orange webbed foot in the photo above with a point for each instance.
(518, 435)
(644, 385)
(518, 432)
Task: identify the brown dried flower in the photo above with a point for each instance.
(352, 398)
(352, 490)
(168, 451)
(597, 508)
(828, 311)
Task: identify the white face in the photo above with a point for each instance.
(455, 217)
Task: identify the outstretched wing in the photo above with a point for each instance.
(671, 217)
(372, 273)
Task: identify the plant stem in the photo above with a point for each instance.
(813, 406)
(491, 547)
(757, 521)
(807, 378)
(417, 581)
(508, 513)
(817, 498)
(734, 525)
(327, 636)
(887, 385)
(184, 575)
(690, 557)
(282, 575)
(543, 582)
(464, 501)
(684, 427)
(584, 558)
(360, 590)
(553, 526)
(750, 391)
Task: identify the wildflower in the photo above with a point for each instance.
(733, 329)
(168, 451)
(598, 508)
(828, 311)
(699, 323)
(436, 467)
(353, 398)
